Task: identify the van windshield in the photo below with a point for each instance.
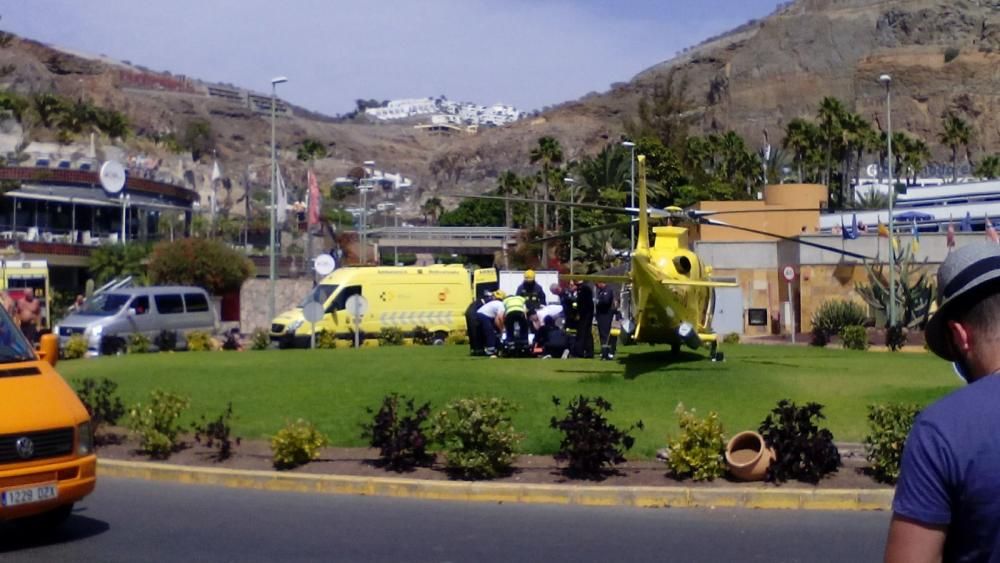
(105, 304)
(13, 346)
(319, 294)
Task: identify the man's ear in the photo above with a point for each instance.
(961, 338)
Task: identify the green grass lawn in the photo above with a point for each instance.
(333, 387)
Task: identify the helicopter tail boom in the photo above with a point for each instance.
(699, 283)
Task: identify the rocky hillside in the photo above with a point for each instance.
(942, 55)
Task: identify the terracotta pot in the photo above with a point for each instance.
(747, 457)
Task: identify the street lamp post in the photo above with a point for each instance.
(631, 227)
(572, 237)
(365, 188)
(274, 199)
(887, 80)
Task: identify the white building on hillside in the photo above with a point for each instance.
(442, 111)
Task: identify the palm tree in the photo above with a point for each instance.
(549, 154)
(917, 155)
(508, 186)
(831, 113)
(432, 208)
(855, 133)
(989, 167)
(956, 133)
(800, 137)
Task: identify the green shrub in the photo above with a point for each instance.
(854, 337)
(202, 262)
(326, 340)
(76, 347)
(166, 341)
(477, 437)
(731, 338)
(699, 451)
(888, 427)
(423, 336)
(260, 339)
(296, 444)
(390, 336)
(157, 423)
(895, 337)
(138, 343)
(199, 341)
(590, 443)
(819, 337)
(98, 397)
(216, 433)
(832, 316)
(397, 430)
(458, 338)
(804, 451)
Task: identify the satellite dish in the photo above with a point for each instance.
(112, 177)
(324, 264)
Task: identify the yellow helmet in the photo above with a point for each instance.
(499, 294)
(529, 275)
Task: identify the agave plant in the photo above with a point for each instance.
(914, 290)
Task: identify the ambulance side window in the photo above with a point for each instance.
(340, 302)
(140, 304)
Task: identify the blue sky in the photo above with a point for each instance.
(523, 52)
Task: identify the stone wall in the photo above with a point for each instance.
(255, 295)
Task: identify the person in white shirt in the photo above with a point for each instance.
(490, 318)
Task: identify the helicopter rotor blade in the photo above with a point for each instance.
(717, 223)
(598, 228)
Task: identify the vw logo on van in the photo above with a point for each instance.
(25, 447)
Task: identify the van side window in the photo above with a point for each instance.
(140, 304)
(340, 302)
(169, 304)
(195, 302)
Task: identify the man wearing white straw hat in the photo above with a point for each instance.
(947, 502)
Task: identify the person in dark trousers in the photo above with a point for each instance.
(476, 344)
(515, 318)
(584, 346)
(533, 294)
(571, 314)
(947, 502)
(552, 340)
(490, 318)
(605, 310)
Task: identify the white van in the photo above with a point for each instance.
(146, 310)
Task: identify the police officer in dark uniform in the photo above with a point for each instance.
(533, 294)
(584, 346)
(605, 310)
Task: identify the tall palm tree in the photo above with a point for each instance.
(549, 154)
(432, 208)
(800, 137)
(854, 134)
(916, 157)
(956, 133)
(989, 167)
(830, 114)
(508, 186)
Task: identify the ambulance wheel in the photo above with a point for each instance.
(675, 349)
(440, 337)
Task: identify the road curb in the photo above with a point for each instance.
(582, 495)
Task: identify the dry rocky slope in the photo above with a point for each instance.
(752, 79)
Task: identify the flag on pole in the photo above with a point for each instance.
(312, 217)
(214, 197)
(883, 231)
(950, 236)
(850, 233)
(991, 233)
(281, 210)
(915, 243)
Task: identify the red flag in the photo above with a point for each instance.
(991, 233)
(314, 195)
(950, 237)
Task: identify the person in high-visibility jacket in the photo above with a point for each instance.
(515, 314)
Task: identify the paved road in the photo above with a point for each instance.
(129, 520)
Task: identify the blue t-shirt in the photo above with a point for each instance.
(950, 474)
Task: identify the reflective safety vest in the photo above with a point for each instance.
(514, 304)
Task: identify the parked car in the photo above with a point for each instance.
(120, 313)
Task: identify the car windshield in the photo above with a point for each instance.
(319, 294)
(14, 347)
(105, 304)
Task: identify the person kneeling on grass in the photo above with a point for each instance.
(552, 340)
(490, 318)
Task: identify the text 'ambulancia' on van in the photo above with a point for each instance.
(47, 460)
(121, 313)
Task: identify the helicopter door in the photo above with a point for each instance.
(728, 312)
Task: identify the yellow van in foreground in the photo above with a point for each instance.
(47, 459)
(405, 297)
